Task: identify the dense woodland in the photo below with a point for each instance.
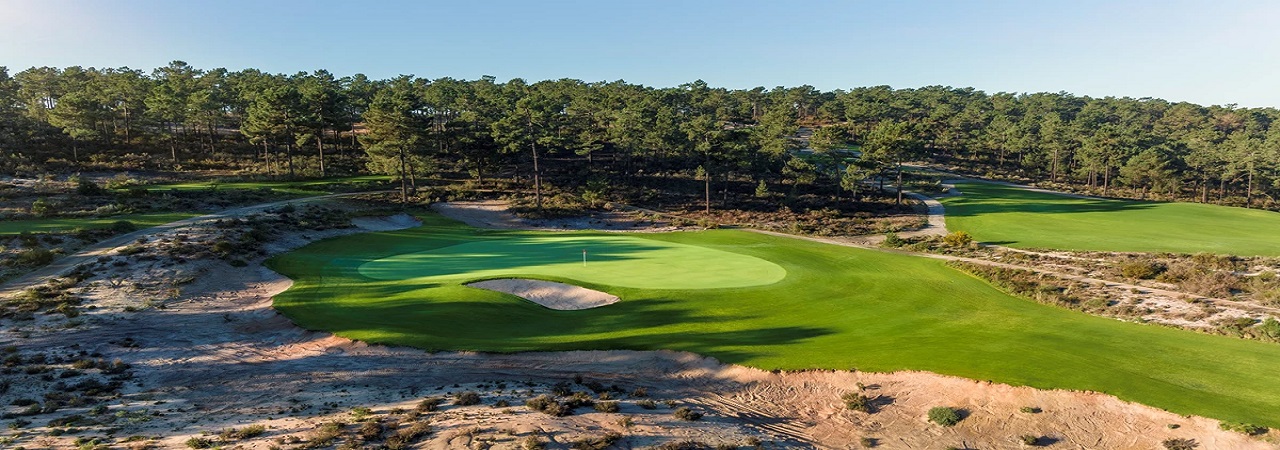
(571, 134)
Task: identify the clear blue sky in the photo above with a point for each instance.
(1209, 52)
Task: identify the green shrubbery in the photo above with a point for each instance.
(944, 415)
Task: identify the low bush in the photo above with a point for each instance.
(596, 443)
(429, 404)
(607, 407)
(958, 239)
(248, 432)
(647, 404)
(684, 413)
(943, 415)
(1180, 444)
(547, 404)
(1142, 270)
(1244, 428)
(467, 399)
(199, 442)
(857, 402)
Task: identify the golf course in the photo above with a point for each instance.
(1022, 218)
(763, 301)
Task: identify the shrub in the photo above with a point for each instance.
(892, 240)
(1142, 270)
(40, 207)
(943, 415)
(88, 187)
(199, 442)
(607, 407)
(370, 431)
(429, 404)
(1030, 409)
(467, 399)
(684, 413)
(596, 443)
(34, 257)
(857, 402)
(123, 226)
(868, 442)
(1029, 439)
(549, 406)
(1180, 444)
(361, 412)
(647, 404)
(533, 443)
(958, 239)
(1244, 428)
(250, 431)
(403, 437)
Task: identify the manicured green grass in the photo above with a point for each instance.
(613, 260)
(1020, 218)
(142, 220)
(836, 308)
(296, 187)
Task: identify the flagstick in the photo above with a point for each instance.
(584, 257)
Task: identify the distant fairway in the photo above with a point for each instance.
(142, 220)
(833, 308)
(1021, 218)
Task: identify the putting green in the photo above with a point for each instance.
(835, 308)
(621, 261)
(1018, 217)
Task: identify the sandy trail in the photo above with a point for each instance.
(219, 356)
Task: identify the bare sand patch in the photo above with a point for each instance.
(559, 296)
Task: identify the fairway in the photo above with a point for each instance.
(143, 220)
(319, 186)
(834, 308)
(1017, 217)
(621, 261)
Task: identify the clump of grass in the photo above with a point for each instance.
(607, 407)
(944, 415)
(429, 404)
(1030, 409)
(1029, 439)
(199, 442)
(405, 436)
(1243, 428)
(685, 413)
(467, 399)
(597, 442)
(248, 432)
(533, 443)
(857, 402)
(548, 405)
(1180, 444)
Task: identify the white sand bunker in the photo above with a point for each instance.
(564, 297)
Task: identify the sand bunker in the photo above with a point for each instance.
(564, 297)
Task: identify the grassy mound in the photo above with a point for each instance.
(836, 308)
(1018, 217)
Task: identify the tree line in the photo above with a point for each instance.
(318, 124)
